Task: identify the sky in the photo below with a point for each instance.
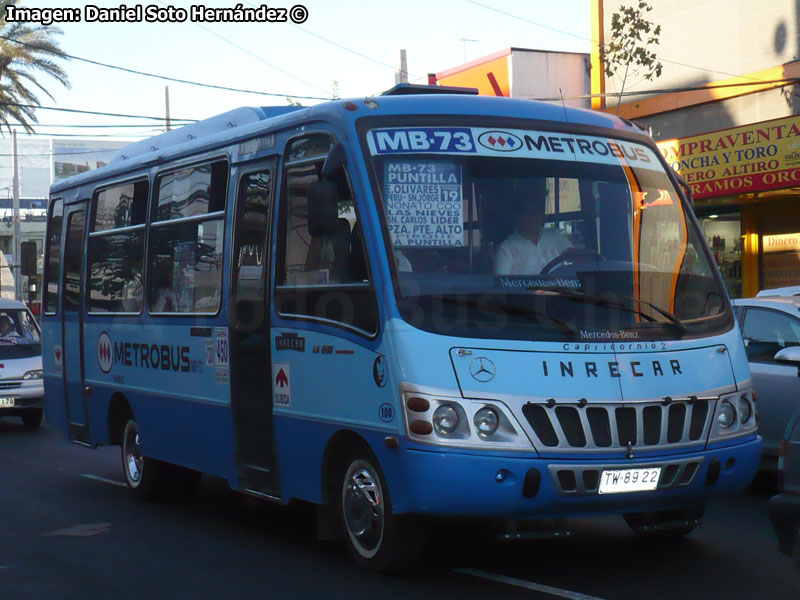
(353, 42)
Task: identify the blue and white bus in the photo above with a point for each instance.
(318, 305)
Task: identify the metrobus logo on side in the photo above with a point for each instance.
(164, 357)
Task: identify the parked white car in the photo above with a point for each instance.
(792, 290)
(21, 385)
(771, 331)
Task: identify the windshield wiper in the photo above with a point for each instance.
(529, 313)
(584, 297)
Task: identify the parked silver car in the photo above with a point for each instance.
(784, 509)
(21, 385)
(792, 290)
(771, 331)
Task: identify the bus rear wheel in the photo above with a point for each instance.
(145, 476)
(378, 540)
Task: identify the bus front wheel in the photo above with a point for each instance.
(145, 476)
(378, 539)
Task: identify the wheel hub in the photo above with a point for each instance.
(133, 456)
(363, 509)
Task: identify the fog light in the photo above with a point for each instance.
(486, 421)
(727, 414)
(445, 419)
(745, 409)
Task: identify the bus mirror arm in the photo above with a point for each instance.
(336, 158)
(323, 202)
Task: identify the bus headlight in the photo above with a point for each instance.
(448, 420)
(727, 414)
(445, 419)
(37, 374)
(486, 421)
(745, 409)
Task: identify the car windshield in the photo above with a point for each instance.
(540, 235)
(19, 334)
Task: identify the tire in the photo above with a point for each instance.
(665, 524)
(147, 477)
(32, 418)
(377, 539)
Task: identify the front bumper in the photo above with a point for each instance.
(27, 396)
(784, 512)
(464, 484)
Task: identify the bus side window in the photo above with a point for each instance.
(323, 274)
(53, 256)
(186, 240)
(116, 258)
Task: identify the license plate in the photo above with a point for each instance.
(7, 402)
(629, 480)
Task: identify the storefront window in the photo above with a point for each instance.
(724, 235)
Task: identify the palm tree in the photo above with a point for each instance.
(26, 51)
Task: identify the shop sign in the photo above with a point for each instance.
(753, 158)
(781, 243)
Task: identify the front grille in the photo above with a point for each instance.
(611, 426)
(585, 479)
(8, 384)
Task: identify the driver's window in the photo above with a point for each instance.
(322, 273)
(331, 257)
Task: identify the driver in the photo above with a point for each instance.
(6, 327)
(532, 245)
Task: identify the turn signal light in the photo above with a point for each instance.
(421, 427)
(419, 405)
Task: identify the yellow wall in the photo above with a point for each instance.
(750, 251)
(598, 39)
(478, 77)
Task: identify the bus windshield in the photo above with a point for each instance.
(540, 235)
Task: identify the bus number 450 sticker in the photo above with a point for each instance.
(281, 385)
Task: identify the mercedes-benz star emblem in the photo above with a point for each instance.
(482, 369)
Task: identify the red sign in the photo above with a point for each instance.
(754, 158)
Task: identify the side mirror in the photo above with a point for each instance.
(788, 355)
(323, 204)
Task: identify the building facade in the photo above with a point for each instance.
(525, 73)
(41, 161)
(726, 115)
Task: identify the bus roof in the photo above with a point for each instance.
(249, 122)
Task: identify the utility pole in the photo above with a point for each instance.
(403, 67)
(15, 174)
(464, 42)
(166, 100)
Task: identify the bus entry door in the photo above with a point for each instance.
(251, 400)
(74, 384)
